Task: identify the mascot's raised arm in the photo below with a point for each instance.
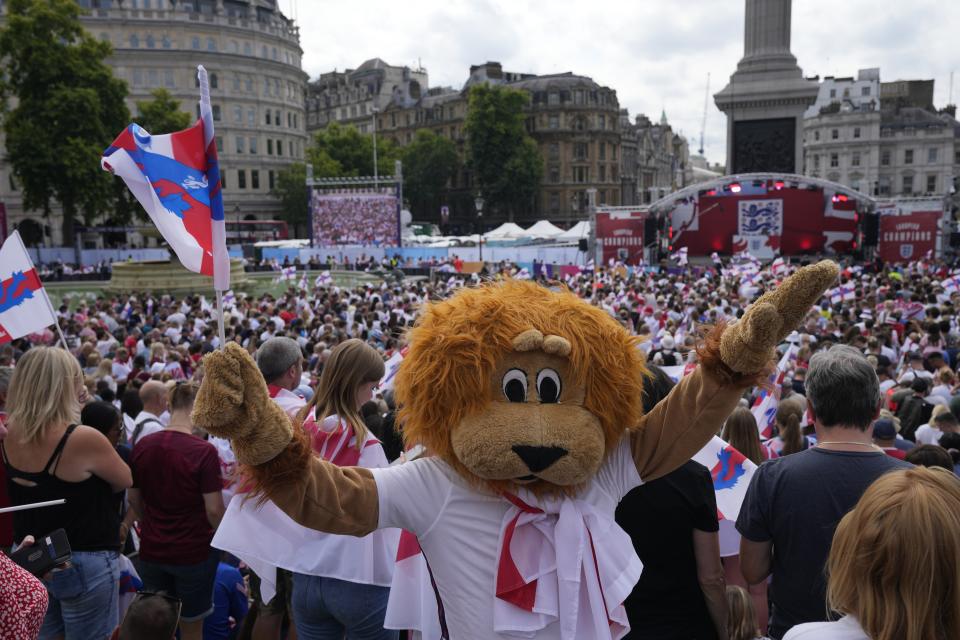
(529, 403)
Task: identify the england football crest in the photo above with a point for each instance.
(906, 251)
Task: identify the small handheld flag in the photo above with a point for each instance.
(24, 305)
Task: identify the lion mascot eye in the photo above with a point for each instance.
(548, 386)
(515, 385)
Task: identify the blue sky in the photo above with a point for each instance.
(655, 53)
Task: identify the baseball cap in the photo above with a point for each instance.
(883, 429)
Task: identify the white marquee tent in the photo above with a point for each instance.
(543, 229)
(579, 231)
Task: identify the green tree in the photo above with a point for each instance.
(428, 164)
(62, 107)
(505, 160)
(162, 114)
(339, 151)
(291, 190)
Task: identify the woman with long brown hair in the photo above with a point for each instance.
(348, 585)
(887, 588)
(789, 438)
(740, 430)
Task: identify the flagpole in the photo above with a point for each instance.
(56, 321)
(220, 329)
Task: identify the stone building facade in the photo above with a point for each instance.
(252, 54)
(895, 144)
(574, 121)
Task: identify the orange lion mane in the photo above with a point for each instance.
(457, 343)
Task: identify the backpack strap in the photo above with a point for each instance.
(138, 429)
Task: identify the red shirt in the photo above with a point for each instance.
(893, 452)
(173, 470)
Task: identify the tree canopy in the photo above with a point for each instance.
(162, 114)
(62, 106)
(429, 162)
(338, 151)
(291, 190)
(506, 163)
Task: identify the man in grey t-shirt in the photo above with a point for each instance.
(794, 503)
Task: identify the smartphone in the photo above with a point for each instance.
(46, 553)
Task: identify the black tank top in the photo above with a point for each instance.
(89, 516)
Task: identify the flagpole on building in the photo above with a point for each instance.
(56, 320)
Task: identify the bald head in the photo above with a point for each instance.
(153, 395)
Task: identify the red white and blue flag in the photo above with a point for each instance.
(731, 472)
(176, 178)
(765, 407)
(24, 306)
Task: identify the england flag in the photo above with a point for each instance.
(951, 285)
(779, 266)
(24, 306)
(765, 407)
(176, 178)
(413, 602)
(680, 256)
(731, 472)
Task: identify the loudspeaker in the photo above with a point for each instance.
(954, 239)
(871, 230)
(650, 230)
(583, 245)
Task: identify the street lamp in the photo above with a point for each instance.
(376, 175)
(478, 203)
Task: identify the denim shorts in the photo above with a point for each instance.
(83, 597)
(192, 583)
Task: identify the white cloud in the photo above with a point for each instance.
(656, 54)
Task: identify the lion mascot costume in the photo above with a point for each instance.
(529, 402)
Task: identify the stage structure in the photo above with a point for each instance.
(363, 211)
(766, 214)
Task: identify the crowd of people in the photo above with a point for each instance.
(859, 454)
(355, 219)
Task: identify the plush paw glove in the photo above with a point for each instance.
(748, 346)
(233, 402)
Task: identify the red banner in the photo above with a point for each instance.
(620, 235)
(908, 236)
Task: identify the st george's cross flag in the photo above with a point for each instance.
(24, 306)
(176, 178)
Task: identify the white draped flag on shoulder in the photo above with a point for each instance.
(24, 305)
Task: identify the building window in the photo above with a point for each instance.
(855, 185)
(237, 113)
(253, 145)
(223, 179)
(932, 155)
(216, 112)
(908, 156)
(267, 117)
(196, 42)
(263, 51)
(219, 144)
(553, 151)
(134, 41)
(834, 160)
(211, 44)
(273, 52)
(603, 174)
(234, 47)
(816, 163)
(214, 81)
(251, 117)
(931, 184)
(601, 121)
(554, 174)
(579, 124)
(269, 146)
(254, 179)
(554, 200)
(864, 91)
(834, 134)
(553, 121)
(240, 143)
(236, 83)
(241, 179)
(553, 98)
(247, 49)
(279, 147)
(602, 150)
(153, 78)
(249, 84)
(855, 159)
(276, 118)
(580, 151)
(885, 157)
(271, 179)
(165, 42)
(151, 43)
(907, 185)
(168, 78)
(856, 132)
(816, 134)
(833, 93)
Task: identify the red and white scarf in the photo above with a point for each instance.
(563, 560)
(335, 444)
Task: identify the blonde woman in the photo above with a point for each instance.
(48, 456)
(741, 617)
(887, 588)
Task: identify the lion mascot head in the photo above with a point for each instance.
(514, 384)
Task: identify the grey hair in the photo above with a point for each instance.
(276, 356)
(842, 387)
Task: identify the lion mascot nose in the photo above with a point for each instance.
(539, 458)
